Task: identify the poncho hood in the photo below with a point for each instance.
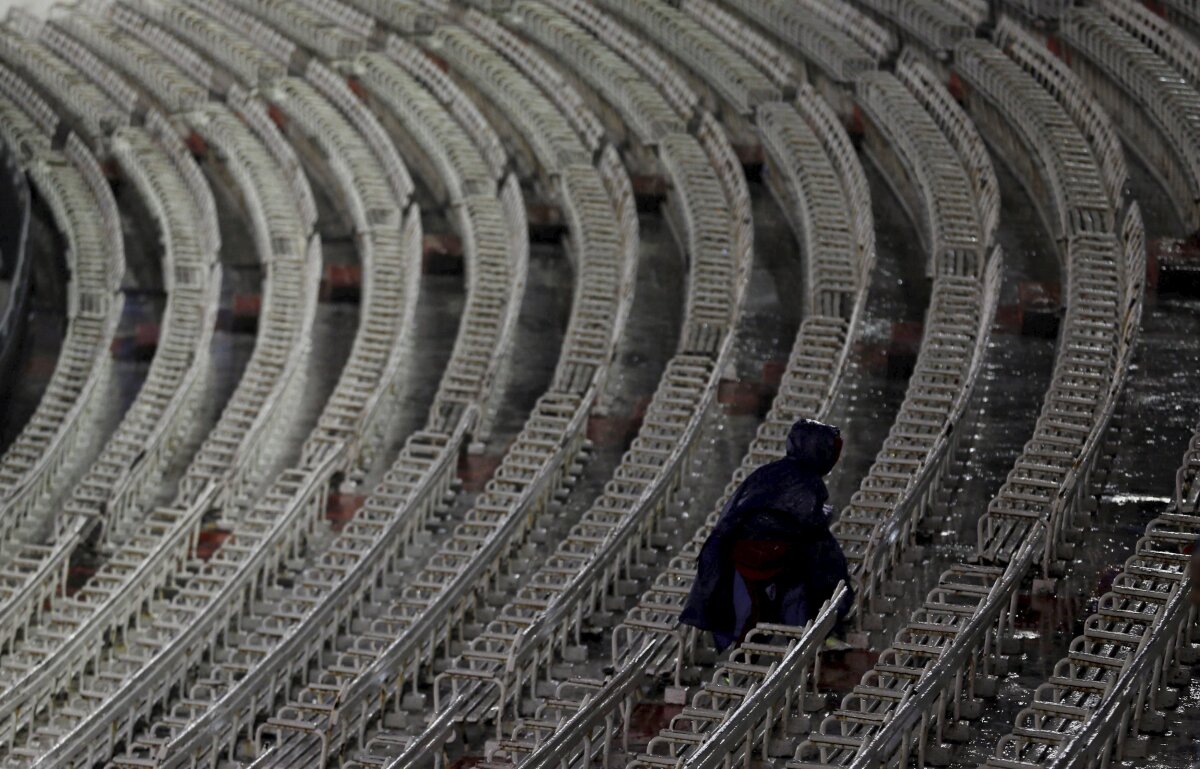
(814, 446)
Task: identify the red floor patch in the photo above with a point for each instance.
(210, 541)
(740, 397)
(477, 469)
(650, 718)
(341, 508)
(842, 671)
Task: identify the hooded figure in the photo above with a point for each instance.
(771, 556)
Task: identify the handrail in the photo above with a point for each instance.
(366, 683)
(178, 751)
(119, 703)
(1089, 740)
(928, 689)
(554, 751)
(925, 476)
(547, 623)
(736, 728)
(922, 697)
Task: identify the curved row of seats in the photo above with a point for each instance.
(375, 186)
(281, 322)
(882, 515)
(389, 305)
(576, 723)
(1003, 528)
(782, 70)
(1109, 687)
(962, 134)
(1143, 72)
(937, 25)
(327, 594)
(132, 462)
(495, 76)
(71, 634)
(835, 36)
(643, 109)
(556, 422)
(739, 83)
(171, 183)
(690, 377)
(671, 85)
(927, 680)
(1074, 187)
(56, 437)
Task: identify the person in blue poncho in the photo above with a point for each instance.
(771, 557)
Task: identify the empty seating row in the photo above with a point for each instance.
(1056, 79)
(85, 212)
(79, 101)
(836, 37)
(301, 23)
(132, 461)
(364, 377)
(575, 726)
(1067, 183)
(416, 485)
(737, 82)
(910, 146)
(457, 162)
(70, 199)
(356, 21)
(1183, 15)
(641, 106)
(936, 24)
(810, 189)
(671, 85)
(493, 228)
(518, 646)
(957, 127)
(1042, 9)
(942, 660)
(783, 71)
(581, 349)
(551, 137)
(408, 629)
(451, 96)
(1140, 638)
(882, 515)
(1123, 52)
(230, 458)
(175, 191)
(376, 187)
(535, 67)
(407, 17)
(260, 61)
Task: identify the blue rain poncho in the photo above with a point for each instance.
(780, 506)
